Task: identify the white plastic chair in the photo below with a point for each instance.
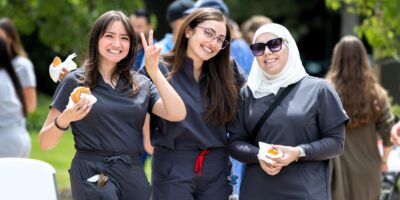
(22, 179)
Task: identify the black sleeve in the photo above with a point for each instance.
(332, 120)
(328, 147)
(63, 91)
(239, 145)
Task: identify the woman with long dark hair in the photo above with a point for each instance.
(190, 157)
(357, 173)
(107, 134)
(14, 137)
(20, 61)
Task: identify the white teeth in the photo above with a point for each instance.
(114, 51)
(270, 60)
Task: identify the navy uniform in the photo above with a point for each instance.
(190, 159)
(108, 139)
(310, 116)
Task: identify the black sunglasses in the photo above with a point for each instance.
(273, 45)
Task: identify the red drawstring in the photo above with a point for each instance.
(199, 162)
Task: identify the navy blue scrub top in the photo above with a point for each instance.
(310, 116)
(193, 133)
(115, 123)
(309, 113)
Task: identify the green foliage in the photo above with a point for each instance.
(60, 157)
(37, 118)
(380, 24)
(287, 12)
(62, 25)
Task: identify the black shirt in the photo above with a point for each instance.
(193, 133)
(115, 123)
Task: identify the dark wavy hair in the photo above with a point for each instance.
(123, 69)
(353, 78)
(5, 63)
(221, 91)
(9, 28)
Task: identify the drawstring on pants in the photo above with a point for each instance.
(198, 167)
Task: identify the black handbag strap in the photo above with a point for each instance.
(267, 113)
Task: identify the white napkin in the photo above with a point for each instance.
(264, 155)
(92, 99)
(67, 64)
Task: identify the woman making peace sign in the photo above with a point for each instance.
(107, 134)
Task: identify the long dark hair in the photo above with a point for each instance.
(221, 91)
(123, 68)
(350, 71)
(16, 47)
(5, 62)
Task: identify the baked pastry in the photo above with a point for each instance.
(56, 61)
(76, 93)
(274, 153)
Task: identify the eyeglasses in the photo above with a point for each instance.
(210, 34)
(273, 45)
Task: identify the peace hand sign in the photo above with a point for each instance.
(152, 53)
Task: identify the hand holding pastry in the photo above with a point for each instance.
(59, 69)
(290, 154)
(81, 93)
(78, 111)
(268, 168)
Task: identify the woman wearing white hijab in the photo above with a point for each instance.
(308, 125)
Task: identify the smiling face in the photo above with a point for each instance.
(114, 44)
(204, 40)
(272, 62)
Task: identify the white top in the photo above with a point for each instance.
(24, 69)
(10, 106)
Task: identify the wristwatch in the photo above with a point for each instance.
(302, 154)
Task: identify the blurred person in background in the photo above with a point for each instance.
(175, 17)
(20, 61)
(14, 137)
(357, 172)
(240, 50)
(250, 26)
(141, 23)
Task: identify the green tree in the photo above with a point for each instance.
(62, 25)
(380, 24)
(49, 28)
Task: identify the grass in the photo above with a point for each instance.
(60, 157)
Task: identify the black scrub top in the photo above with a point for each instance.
(115, 123)
(311, 116)
(193, 133)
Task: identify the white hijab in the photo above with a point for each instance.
(260, 82)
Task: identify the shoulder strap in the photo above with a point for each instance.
(267, 113)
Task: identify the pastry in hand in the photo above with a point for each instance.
(56, 61)
(57, 66)
(274, 153)
(76, 93)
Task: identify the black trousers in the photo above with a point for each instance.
(174, 176)
(126, 177)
